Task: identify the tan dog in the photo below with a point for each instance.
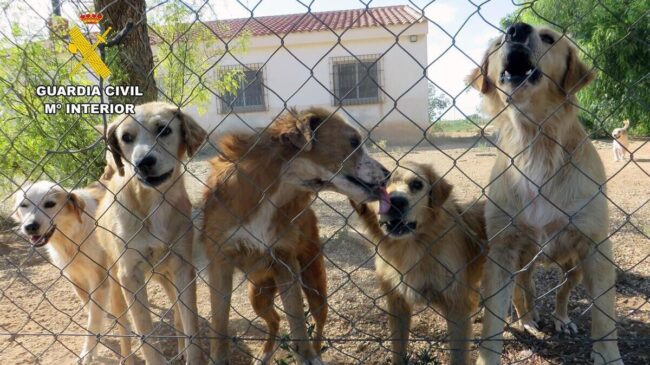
(549, 206)
(64, 223)
(620, 144)
(145, 218)
(429, 251)
(258, 219)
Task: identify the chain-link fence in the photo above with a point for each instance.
(332, 153)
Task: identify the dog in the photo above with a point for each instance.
(620, 144)
(258, 219)
(430, 250)
(64, 223)
(145, 217)
(546, 197)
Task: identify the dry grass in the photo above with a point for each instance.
(37, 303)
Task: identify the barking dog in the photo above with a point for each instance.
(550, 206)
(429, 251)
(620, 143)
(258, 218)
(64, 223)
(145, 217)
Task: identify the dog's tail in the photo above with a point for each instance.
(626, 124)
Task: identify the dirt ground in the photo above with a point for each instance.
(39, 307)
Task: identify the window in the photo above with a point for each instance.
(356, 80)
(250, 94)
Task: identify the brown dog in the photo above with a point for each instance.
(258, 218)
(546, 196)
(429, 251)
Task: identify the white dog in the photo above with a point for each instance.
(620, 143)
(49, 214)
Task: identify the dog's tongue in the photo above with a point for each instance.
(384, 201)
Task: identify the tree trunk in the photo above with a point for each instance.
(133, 56)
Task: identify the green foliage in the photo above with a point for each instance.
(614, 37)
(472, 124)
(438, 103)
(26, 132)
(187, 52)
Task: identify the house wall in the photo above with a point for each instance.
(287, 73)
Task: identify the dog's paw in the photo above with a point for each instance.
(128, 361)
(565, 326)
(530, 325)
(86, 359)
(263, 358)
(599, 359)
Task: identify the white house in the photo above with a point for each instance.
(369, 62)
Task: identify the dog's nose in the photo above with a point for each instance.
(32, 227)
(518, 32)
(145, 165)
(398, 206)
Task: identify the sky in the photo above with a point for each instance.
(459, 30)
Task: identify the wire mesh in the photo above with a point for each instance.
(126, 250)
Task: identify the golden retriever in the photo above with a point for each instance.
(145, 218)
(258, 219)
(64, 223)
(620, 144)
(429, 250)
(547, 193)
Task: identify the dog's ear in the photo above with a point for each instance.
(109, 171)
(114, 147)
(301, 133)
(440, 192)
(77, 205)
(577, 74)
(193, 134)
(478, 78)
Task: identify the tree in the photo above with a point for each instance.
(614, 37)
(35, 145)
(134, 57)
(187, 51)
(438, 103)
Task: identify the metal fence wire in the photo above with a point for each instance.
(103, 260)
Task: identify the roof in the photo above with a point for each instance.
(317, 21)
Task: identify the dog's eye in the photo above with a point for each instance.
(164, 131)
(127, 138)
(547, 39)
(23, 205)
(49, 204)
(355, 142)
(415, 185)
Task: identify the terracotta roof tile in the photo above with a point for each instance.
(317, 21)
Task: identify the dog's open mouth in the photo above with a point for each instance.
(397, 227)
(41, 240)
(518, 68)
(155, 180)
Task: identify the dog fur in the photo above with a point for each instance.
(258, 219)
(437, 262)
(147, 210)
(620, 144)
(529, 78)
(64, 223)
